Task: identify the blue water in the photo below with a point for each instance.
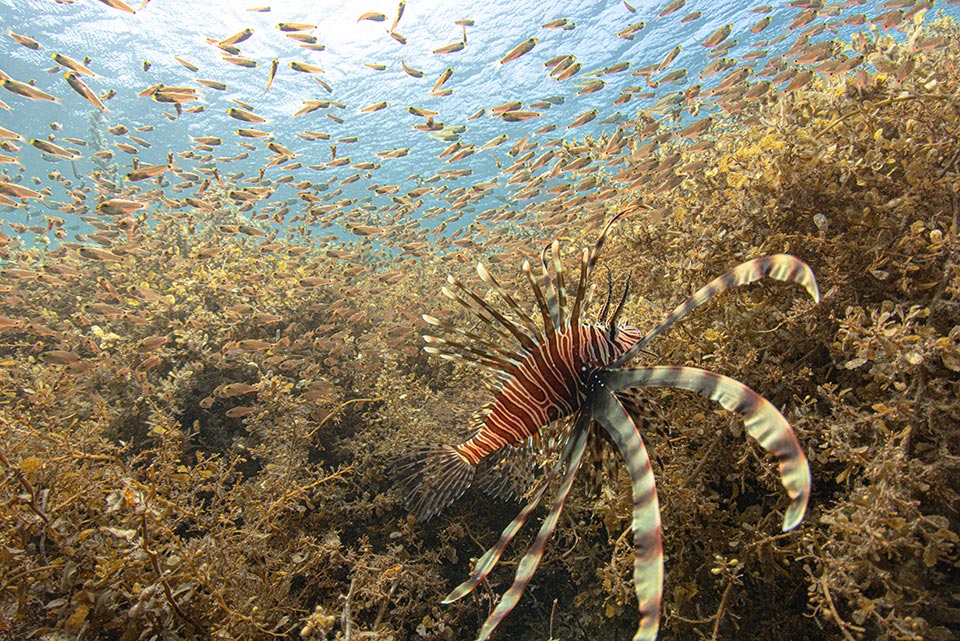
(118, 44)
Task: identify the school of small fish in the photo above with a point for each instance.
(546, 174)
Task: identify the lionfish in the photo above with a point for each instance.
(571, 376)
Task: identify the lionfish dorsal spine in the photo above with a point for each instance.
(461, 352)
(588, 261)
(496, 321)
(561, 273)
(579, 303)
(551, 291)
(535, 332)
(548, 326)
(487, 345)
(606, 301)
(615, 315)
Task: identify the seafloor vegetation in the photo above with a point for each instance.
(198, 441)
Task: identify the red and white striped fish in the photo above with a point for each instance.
(571, 377)
(543, 373)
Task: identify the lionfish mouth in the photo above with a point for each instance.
(574, 376)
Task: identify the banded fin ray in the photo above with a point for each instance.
(550, 288)
(763, 421)
(602, 239)
(511, 473)
(518, 334)
(783, 267)
(531, 560)
(507, 473)
(455, 351)
(560, 271)
(535, 333)
(588, 263)
(588, 260)
(478, 351)
(647, 533)
(478, 340)
(491, 557)
(579, 299)
(548, 326)
(606, 302)
(615, 315)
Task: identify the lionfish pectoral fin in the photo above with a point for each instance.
(782, 267)
(436, 475)
(642, 408)
(763, 421)
(531, 560)
(491, 557)
(607, 410)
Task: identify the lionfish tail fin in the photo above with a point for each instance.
(436, 476)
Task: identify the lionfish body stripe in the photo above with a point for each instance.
(571, 375)
(548, 385)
